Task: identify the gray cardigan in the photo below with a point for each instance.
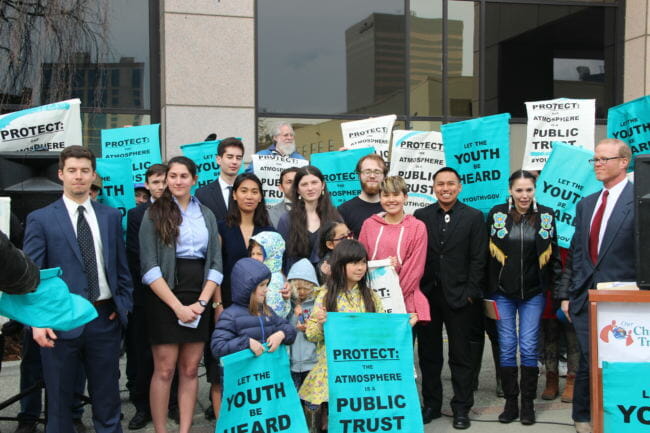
(153, 252)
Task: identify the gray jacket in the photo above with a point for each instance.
(302, 351)
(153, 252)
(276, 211)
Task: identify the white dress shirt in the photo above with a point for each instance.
(72, 208)
(614, 194)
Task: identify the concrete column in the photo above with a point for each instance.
(207, 72)
(636, 78)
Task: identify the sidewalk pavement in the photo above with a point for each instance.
(552, 417)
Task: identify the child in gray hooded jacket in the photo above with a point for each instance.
(303, 283)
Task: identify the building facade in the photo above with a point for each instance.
(236, 67)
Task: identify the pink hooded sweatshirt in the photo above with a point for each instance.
(407, 241)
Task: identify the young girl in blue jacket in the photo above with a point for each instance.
(249, 322)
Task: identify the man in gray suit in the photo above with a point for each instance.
(602, 250)
(277, 210)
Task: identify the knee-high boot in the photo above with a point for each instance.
(510, 384)
(529, 376)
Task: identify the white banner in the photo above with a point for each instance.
(48, 127)
(373, 132)
(416, 156)
(572, 121)
(5, 215)
(385, 282)
(623, 332)
(268, 169)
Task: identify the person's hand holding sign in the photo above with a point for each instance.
(319, 316)
(275, 340)
(256, 346)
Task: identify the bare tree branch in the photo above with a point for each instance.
(45, 43)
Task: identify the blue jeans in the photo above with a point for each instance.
(530, 315)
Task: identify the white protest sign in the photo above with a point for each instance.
(268, 169)
(416, 156)
(383, 279)
(373, 132)
(5, 215)
(623, 332)
(48, 127)
(571, 121)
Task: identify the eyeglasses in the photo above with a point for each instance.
(603, 161)
(372, 172)
(348, 235)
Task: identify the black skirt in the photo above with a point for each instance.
(163, 323)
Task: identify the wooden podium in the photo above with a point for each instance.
(597, 297)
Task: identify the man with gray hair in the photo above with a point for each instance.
(284, 143)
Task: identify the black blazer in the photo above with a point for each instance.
(616, 260)
(463, 257)
(210, 195)
(133, 222)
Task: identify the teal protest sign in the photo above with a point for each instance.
(567, 178)
(630, 122)
(479, 149)
(141, 144)
(117, 185)
(626, 400)
(50, 306)
(259, 394)
(204, 155)
(338, 168)
(370, 374)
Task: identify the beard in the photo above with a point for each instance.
(370, 189)
(285, 149)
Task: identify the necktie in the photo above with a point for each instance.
(594, 234)
(87, 247)
(229, 195)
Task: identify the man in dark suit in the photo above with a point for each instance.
(216, 195)
(602, 250)
(138, 348)
(452, 280)
(84, 239)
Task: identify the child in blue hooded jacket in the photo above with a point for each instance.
(249, 322)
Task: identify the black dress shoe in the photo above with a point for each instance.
(428, 415)
(461, 422)
(26, 427)
(139, 420)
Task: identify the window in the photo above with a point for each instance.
(103, 60)
(312, 135)
(546, 51)
(431, 60)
